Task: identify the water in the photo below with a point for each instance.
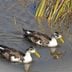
(13, 17)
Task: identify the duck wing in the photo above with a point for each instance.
(16, 53)
(36, 36)
(44, 38)
(7, 53)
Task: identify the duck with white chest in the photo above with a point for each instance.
(46, 41)
(16, 56)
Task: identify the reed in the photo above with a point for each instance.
(41, 9)
(60, 9)
(54, 11)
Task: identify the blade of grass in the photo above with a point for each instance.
(38, 10)
(62, 10)
(56, 6)
(42, 7)
(57, 11)
(50, 15)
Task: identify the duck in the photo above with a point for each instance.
(14, 56)
(44, 40)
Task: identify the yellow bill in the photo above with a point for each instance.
(62, 40)
(37, 54)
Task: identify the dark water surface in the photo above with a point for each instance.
(11, 35)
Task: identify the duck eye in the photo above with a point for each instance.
(56, 32)
(57, 35)
(30, 49)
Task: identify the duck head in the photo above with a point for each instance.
(58, 37)
(32, 50)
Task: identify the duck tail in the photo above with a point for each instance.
(24, 33)
(2, 48)
(24, 30)
(27, 32)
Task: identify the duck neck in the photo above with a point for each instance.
(27, 57)
(28, 54)
(53, 42)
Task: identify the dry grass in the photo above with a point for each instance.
(56, 12)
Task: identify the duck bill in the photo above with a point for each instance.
(62, 40)
(37, 54)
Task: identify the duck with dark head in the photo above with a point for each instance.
(16, 56)
(46, 41)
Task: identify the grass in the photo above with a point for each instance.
(55, 11)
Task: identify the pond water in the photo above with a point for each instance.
(13, 17)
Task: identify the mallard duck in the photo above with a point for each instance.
(16, 56)
(44, 40)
